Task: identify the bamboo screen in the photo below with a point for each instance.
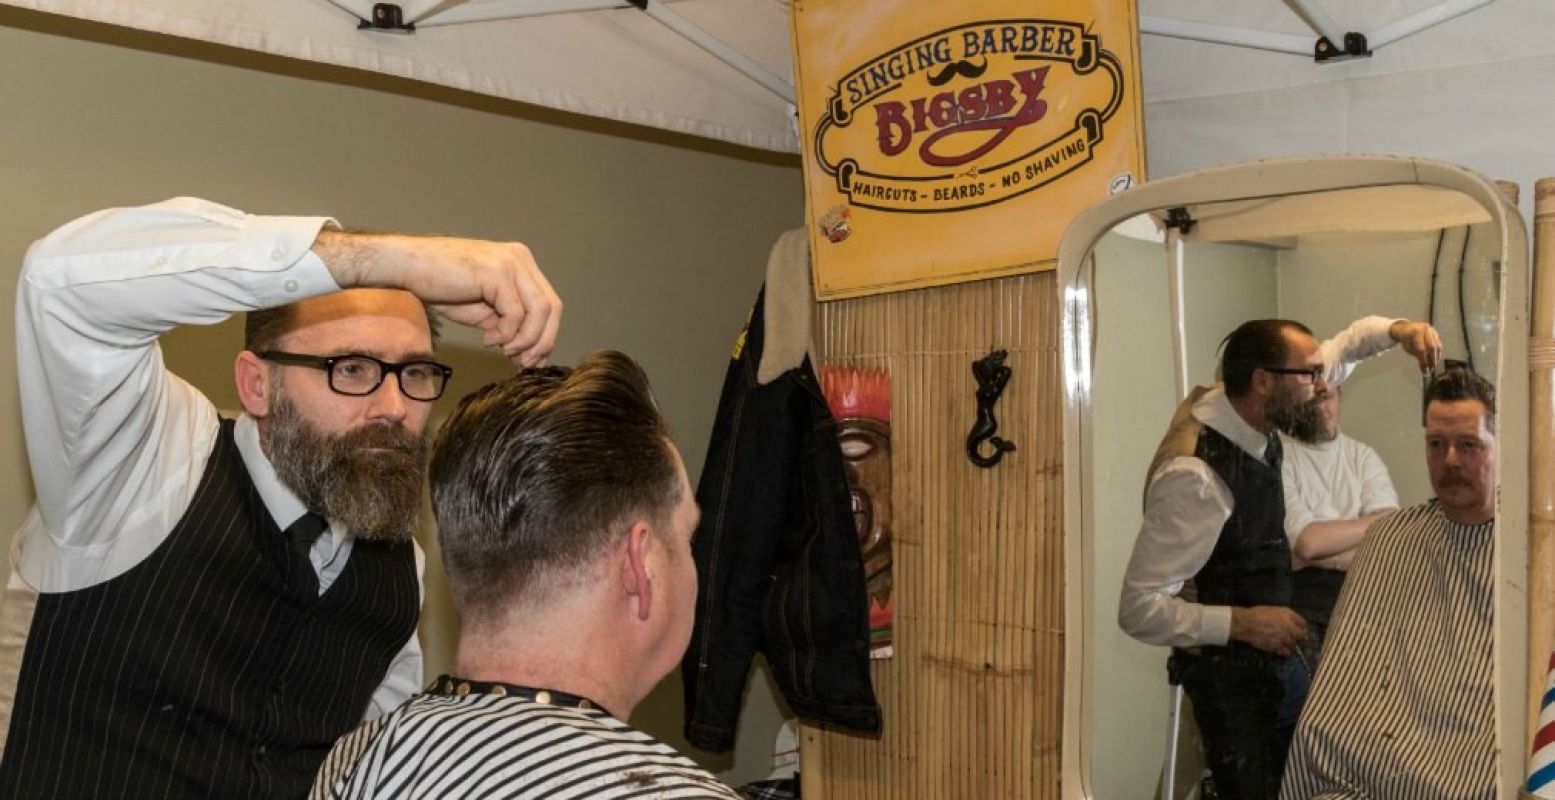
(1541, 468)
(973, 699)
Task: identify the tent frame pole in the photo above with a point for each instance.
(435, 13)
(1225, 34)
(1423, 19)
(459, 12)
(716, 47)
(1317, 19)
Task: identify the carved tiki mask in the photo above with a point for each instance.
(860, 400)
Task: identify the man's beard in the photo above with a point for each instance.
(1299, 419)
(367, 480)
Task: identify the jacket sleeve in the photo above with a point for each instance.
(744, 493)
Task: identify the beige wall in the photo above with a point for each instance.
(656, 242)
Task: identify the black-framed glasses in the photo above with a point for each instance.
(357, 375)
(1313, 372)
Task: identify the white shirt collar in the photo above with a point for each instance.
(1214, 409)
(333, 548)
(283, 505)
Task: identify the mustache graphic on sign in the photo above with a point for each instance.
(964, 68)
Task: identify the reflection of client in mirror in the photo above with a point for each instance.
(1405, 704)
(1335, 487)
(1214, 516)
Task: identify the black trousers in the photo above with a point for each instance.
(1244, 702)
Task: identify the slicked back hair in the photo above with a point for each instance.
(1461, 383)
(1255, 343)
(263, 328)
(533, 477)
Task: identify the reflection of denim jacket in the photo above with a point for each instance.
(779, 568)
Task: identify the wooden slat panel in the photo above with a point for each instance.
(973, 697)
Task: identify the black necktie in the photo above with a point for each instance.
(300, 537)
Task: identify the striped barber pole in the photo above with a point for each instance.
(1541, 768)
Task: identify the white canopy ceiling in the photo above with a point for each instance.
(614, 60)
(1483, 31)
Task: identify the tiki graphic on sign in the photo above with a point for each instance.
(955, 141)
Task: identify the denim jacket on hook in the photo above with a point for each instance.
(778, 562)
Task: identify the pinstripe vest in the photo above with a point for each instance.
(195, 674)
(1250, 565)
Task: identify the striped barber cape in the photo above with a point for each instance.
(503, 745)
(1402, 706)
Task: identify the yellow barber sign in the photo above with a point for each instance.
(955, 141)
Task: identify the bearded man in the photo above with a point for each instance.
(1210, 574)
(200, 606)
(1335, 488)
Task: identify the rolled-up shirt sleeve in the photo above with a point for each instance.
(1364, 338)
(1186, 505)
(116, 442)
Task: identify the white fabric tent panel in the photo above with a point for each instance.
(612, 63)
(1470, 91)
(1494, 118)
(1175, 69)
(619, 64)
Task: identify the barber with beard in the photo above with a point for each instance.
(1210, 574)
(198, 606)
(1335, 488)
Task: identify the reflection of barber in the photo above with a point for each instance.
(1335, 487)
(1214, 515)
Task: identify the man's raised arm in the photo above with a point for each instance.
(494, 286)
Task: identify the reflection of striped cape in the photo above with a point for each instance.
(1541, 768)
(1403, 705)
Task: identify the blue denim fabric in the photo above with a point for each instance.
(779, 570)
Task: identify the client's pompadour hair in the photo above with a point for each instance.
(533, 476)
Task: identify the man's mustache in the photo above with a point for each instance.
(378, 437)
(1454, 479)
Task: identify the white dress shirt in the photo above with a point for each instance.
(1186, 505)
(117, 443)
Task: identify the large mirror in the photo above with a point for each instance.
(1154, 279)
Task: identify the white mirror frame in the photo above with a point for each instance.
(1273, 178)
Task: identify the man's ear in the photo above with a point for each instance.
(1262, 383)
(634, 567)
(252, 374)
